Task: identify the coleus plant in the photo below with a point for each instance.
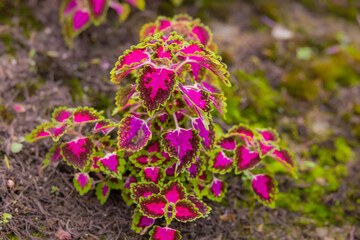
(164, 154)
(182, 24)
(77, 15)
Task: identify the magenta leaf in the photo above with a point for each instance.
(199, 98)
(163, 23)
(185, 211)
(265, 189)
(207, 134)
(153, 146)
(245, 158)
(113, 164)
(82, 182)
(200, 205)
(155, 86)
(86, 114)
(243, 132)
(146, 158)
(197, 71)
(227, 142)
(284, 157)
(53, 155)
(170, 213)
(197, 55)
(193, 49)
(57, 131)
(132, 59)
(102, 192)
(161, 52)
(220, 163)
(163, 120)
(122, 9)
(219, 102)
(95, 166)
(61, 114)
(268, 135)
(265, 148)
(153, 206)
(153, 174)
(78, 152)
(144, 190)
(203, 34)
(80, 21)
(173, 192)
(209, 85)
(217, 190)
(129, 181)
(98, 9)
(104, 126)
(133, 134)
(124, 94)
(140, 159)
(141, 223)
(38, 133)
(170, 171)
(159, 233)
(206, 177)
(196, 168)
(214, 65)
(182, 144)
(200, 189)
(67, 7)
(156, 159)
(147, 30)
(140, 4)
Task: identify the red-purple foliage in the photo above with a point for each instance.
(166, 153)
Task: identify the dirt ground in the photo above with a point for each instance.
(39, 73)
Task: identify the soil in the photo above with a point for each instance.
(39, 72)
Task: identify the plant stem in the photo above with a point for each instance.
(100, 176)
(176, 121)
(251, 174)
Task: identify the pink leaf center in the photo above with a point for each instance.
(83, 179)
(80, 19)
(77, 147)
(111, 162)
(98, 6)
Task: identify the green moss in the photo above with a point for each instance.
(334, 71)
(12, 236)
(343, 152)
(263, 103)
(318, 212)
(346, 9)
(8, 42)
(24, 15)
(76, 89)
(269, 8)
(332, 182)
(298, 84)
(274, 167)
(288, 201)
(6, 115)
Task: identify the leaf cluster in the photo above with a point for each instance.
(164, 155)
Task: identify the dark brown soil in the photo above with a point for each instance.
(42, 202)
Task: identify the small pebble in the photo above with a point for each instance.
(10, 183)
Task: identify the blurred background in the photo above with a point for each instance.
(295, 67)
